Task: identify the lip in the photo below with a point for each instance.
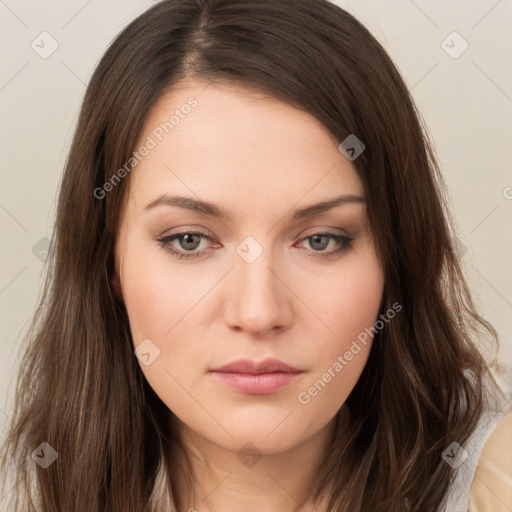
(254, 367)
(255, 377)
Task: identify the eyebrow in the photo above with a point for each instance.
(211, 209)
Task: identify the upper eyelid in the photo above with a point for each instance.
(207, 233)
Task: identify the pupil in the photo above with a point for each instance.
(316, 238)
(187, 241)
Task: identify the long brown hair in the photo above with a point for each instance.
(80, 388)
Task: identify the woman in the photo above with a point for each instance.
(255, 301)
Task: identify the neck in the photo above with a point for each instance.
(229, 481)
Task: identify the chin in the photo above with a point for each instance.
(258, 443)
(269, 436)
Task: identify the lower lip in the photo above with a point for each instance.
(256, 384)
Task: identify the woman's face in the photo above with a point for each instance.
(263, 275)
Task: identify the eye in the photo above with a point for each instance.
(320, 241)
(189, 241)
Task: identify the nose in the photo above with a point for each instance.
(258, 299)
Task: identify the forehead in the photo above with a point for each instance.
(219, 141)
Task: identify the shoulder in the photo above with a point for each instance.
(491, 490)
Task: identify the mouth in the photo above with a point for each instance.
(256, 378)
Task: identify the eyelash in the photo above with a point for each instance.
(165, 242)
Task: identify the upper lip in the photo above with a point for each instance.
(255, 367)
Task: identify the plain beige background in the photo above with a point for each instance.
(464, 95)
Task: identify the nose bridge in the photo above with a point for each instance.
(257, 295)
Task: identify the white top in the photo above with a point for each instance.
(458, 497)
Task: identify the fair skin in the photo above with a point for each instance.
(260, 160)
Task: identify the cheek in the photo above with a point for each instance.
(165, 304)
(160, 307)
(348, 304)
(350, 307)
(159, 299)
